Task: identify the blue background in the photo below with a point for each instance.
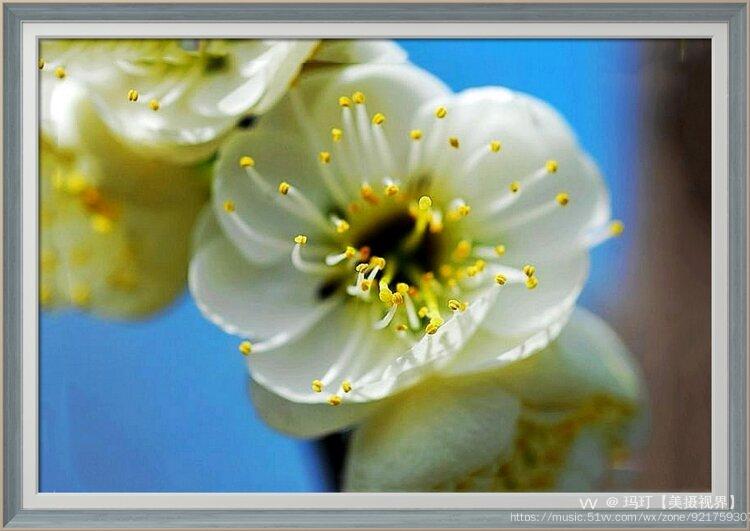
(161, 405)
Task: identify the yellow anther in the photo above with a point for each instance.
(41, 64)
(365, 285)
(80, 294)
(377, 261)
(391, 190)
(358, 97)
(441, 112)
(480, 264)
(385, 295)
(132, 95)
(350, 251)
(300, 239)
(344, 101)
(378, 118)
(425, 202)
(402, 288)
(616, 227)
(284, 188)
(361, 268)
(532, 282)
(368, 194)
(501, 279)
(341, 226)
(551, 166)
(229, 205)
(101, 224)
(456, 305)
(346, 386)
(401, 327)
(334, 400)
(499, 250)
(472, 271)
(514, 187)
(154, 105)
(453, 141)
(460, 212)
(462, 250)
(336, 134)
(246, 348)
(60, 72)
(423, 312)
(317, 386)
(562, 199)
(398, 298)
(247, 162)
(415, 134)
(495, 146)
(433, 326)
(529, 270)
(445, 270)
(324, 157)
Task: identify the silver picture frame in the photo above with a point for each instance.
(15, 15)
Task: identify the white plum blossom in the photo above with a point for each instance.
(176, 99)
(374, 222)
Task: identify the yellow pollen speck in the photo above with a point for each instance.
(501, 279)
(229, 205)
(350, 252)
(317, 386)
(132, 95)
(247, 162)
(334, 400)
(551, 166)
(245, 347)
(368, 194)
(358, 97)
(495, 146)
(499, 250)
(41, 64)
(453, 141)
(336, 134)
(346, 386)
(532, 282)
(529, 270)
(441, 112)
(342, 226)
(425, 202)
(81, 294)
(391, 190)
(154, 105)
(300, 239)
(60, 72)
(415, 134)
(101, 224)
(324, 157)
(616, 228)
(284, 188)
(562, 199)
(345, 101)
(378, 118)
(514, 187)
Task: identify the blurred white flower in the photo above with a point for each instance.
(565, 419)
(373, 223)
(175, 99)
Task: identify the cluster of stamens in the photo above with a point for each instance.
(415, 300)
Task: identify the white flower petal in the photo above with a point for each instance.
(358, 51)
(433, 434)
(306, 420)
(261, 303)
(586, 359)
